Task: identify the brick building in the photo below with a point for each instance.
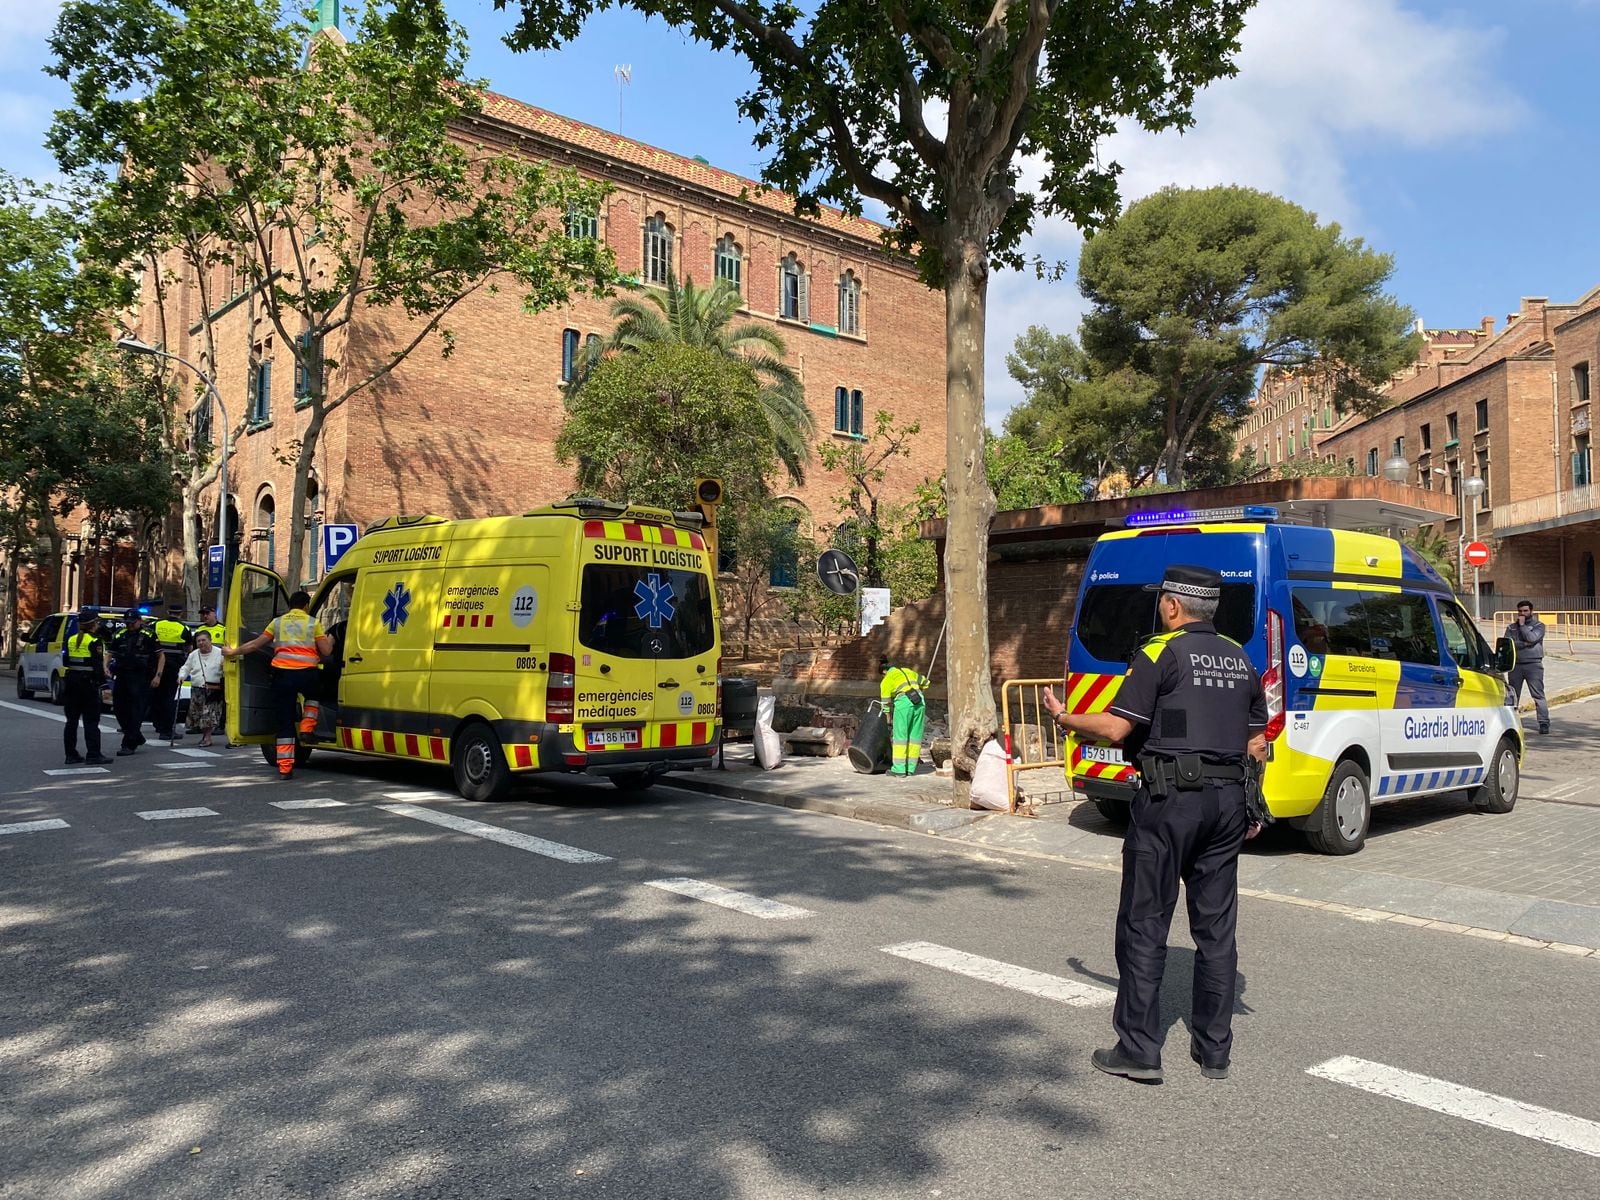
(1513, 409)
(474, 433)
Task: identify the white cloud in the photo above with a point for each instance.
(1319, 81)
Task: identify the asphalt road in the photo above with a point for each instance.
(352, 1001)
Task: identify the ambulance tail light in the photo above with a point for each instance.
(561, 692)
(1272, 678)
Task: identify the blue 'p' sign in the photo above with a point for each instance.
(336, 539)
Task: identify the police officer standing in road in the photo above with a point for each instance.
(133, 658)
(1189, 711)
(1526, 632)
(172, 636)
(84, 656)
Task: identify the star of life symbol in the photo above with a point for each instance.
(396, 607)
(655, 600)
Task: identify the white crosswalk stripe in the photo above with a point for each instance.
(1485, 1108)
(493, 833)
(78, 771)
(755, 906)
(33, 826)
(315, 802)
(1020, 979)
(176, 814)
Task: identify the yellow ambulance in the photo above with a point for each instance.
(581, 637)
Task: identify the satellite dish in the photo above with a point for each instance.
(837, 570)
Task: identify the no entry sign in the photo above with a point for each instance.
(1477, 554)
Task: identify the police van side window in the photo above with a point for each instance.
(1357, 624)
(1402, 627)
(1461, 638)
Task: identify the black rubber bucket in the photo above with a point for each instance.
(870, 752)
(739, 705)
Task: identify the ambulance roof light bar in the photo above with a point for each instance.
(1195, 516)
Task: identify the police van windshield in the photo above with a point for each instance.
(1115, 619)
(640, 612)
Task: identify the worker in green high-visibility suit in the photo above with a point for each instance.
(901, 691)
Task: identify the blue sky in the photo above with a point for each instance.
(1460, 137)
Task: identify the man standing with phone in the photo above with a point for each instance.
(1526, 632)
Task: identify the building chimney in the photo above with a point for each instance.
(1488, 327)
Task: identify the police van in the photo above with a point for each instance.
(579, 637)
(1378, 683)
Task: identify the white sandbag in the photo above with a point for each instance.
(989, 778)
(769, 746)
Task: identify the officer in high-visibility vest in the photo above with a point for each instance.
(298, 647)
(84, 656)
(172, 636)
(901, 691)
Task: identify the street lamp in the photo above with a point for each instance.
(134, 346)
(1396, 469)
(1471, 488)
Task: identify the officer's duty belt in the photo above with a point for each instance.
(1185, 773)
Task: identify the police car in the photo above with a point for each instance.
(40, 667)
(1378, 683)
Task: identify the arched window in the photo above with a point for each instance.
(569, 353)
(657, 249)
(265, 532)
(730, 262)
(849, 303)
(794, 291)
(784, 567)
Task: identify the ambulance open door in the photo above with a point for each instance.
(256, 596)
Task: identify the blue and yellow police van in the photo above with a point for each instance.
(1378, 684)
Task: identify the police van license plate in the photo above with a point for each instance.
(1104, 754)
(605, 739)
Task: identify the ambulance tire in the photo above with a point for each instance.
(269, 751)
(24, 692)
(1118, 812)
(58, 691)
(479, 763)
(1499, 791)
(1341, 822)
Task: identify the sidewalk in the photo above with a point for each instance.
(1531, 876)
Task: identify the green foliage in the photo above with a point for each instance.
(1196, 290)
(336, 178)
(869, 525)
(692, 316)
(647, 424)
(1436, 550)
(1025, 475)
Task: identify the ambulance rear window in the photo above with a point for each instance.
(639, 612)
(1115, 619)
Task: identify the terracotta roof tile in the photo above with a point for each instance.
(601, 141)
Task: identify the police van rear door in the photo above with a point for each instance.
(255, 597)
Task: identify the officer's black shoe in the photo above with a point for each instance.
(125, 751)
(1211, 1070)
(1544, 729)
(142, 740)
(74, 760)
(1115, 1062)
(98, 760)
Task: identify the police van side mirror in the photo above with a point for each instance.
(1505, 654)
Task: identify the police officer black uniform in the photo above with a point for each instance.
(172, 636)
(84, 657)
(133, 660)
(1190, 711)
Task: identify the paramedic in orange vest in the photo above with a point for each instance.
(298, 647)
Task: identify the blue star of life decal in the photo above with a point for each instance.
(655, 601)
(396, 607)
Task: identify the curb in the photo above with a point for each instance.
(1566, 697)
(896, 815)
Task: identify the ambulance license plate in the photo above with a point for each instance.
(1104, 754)
(604, 739)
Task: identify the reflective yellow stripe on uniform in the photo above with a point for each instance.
(80, 651)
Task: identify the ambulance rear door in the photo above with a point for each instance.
(257, 595)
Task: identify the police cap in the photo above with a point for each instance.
(174, 606)
(1189, 582)
(88, 613)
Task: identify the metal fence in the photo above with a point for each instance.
(1033, 740)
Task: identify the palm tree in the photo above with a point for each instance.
(703, 317)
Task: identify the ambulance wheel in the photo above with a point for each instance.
(1118, 812)
(1341, 821)
(58, 690)
(1499, 791)
(24, 692)
(479, 764)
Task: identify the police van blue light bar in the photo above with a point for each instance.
(1193, 516)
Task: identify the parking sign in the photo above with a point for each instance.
(336, 539)
(214, 566)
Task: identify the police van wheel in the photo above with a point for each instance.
(58, 690)
(1118, 812)
(24, 692)
(1499, 791)
(479, 764)
(1345, 814)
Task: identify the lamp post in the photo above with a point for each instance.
(134, 346)
(1471, 488)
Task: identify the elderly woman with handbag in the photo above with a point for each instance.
(203, 670)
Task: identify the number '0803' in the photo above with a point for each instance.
(527, 662)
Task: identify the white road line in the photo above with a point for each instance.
(79, 771)
(1513, 1116)
(409, 796)
(194, 752)
(1021, 979)
(183, 766)
(493, 833)
(755, 906)
(33, 826)
(318, 802)
(173, 814)
(34, 712)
